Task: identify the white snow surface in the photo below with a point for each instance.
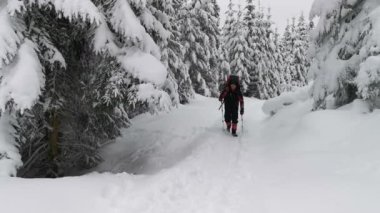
(125, 21)
(299, 94)
(294, 162)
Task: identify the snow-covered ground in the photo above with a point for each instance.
(294, 162)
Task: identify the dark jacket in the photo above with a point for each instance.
(232, 99)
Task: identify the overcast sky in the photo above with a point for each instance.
(281, 9)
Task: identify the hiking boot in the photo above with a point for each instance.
(234, 129)
(228, 127)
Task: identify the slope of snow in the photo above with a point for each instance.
(300, 94)
(294, 162)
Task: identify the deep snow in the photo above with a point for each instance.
(296, 161)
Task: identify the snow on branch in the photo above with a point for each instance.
(368, 79)
(103, 39)
(73, 9)
(139, 4)
(9, 39)
(158, 100)
(151, 23)
(22, 80)
(15, 6)
(52, 55)
(144, 66)
(124, 21)
(327, 11)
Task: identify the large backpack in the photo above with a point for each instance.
(233, 79)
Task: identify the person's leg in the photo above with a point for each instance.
(234, 119)
(228, 118)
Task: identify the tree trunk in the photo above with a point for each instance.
(54, 137)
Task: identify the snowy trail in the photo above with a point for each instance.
(153, 144)
(209, 177)
(294, 162)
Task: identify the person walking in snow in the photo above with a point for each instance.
(232, 96)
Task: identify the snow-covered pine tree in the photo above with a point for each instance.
(156, 20)
(79, 93)
(227, 34)
(237, 46)
(300, 52)
(346, 62)
(224, 66)
(200, 39)
(229, 22)
(251, 36)
(279, 60)
(265, 79)
(214, 32)
(31, 55)
(176, 53)
(220, 65)
(287, 50)
(273, 72)
(74, 115)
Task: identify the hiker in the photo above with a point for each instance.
(231, 96)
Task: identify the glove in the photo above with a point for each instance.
(242, 111)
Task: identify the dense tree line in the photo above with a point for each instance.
(267, 64)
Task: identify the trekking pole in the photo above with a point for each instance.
(222, 118)
(221, 108)
(221, 105)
